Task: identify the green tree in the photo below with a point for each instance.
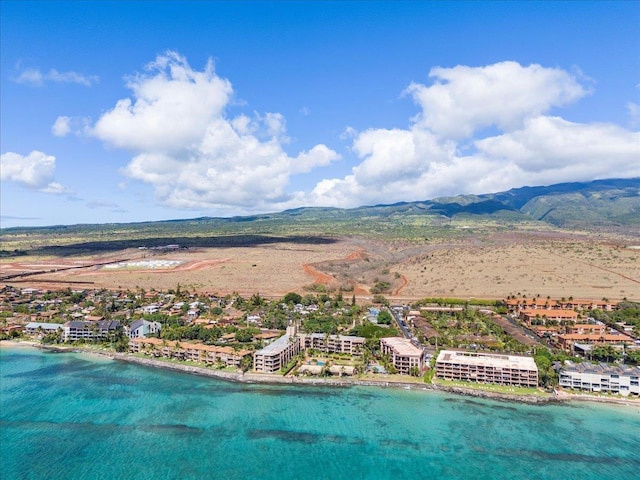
(384, 317)
(292, 298)
(606, 353)
(246, 363)
(245, 335)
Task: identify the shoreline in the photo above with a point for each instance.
(558, 397)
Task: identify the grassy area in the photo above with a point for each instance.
(502, 389)
(185, 362)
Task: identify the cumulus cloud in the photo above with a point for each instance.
(444, 150)
(463, 99)
(35, 171)
(193, 154)
(61, 126)
(35, 78)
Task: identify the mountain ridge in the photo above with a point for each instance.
(606, 202)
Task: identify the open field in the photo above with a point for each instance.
(489, 263)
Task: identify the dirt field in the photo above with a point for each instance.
(497, 265)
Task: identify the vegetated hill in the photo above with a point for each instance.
(597, 203)
(600, 203)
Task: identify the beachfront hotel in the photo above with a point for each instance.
(593, 377)
(404, 355)
(482, 367)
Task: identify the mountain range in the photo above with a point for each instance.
(599, 203)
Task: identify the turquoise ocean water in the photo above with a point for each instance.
(72, 416)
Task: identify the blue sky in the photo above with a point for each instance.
(135, 111)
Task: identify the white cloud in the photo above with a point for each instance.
(35, 171)
(191, 152)
(438, 153)
(61, 126)
(35, 78)
(464, 99)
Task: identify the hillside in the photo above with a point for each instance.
(603, 204)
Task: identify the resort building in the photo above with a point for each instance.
(404, 355)
(333, 343)
(196, 352)
(142, 328)
(620, 379)
(87, 330)
(482, 367)
(37, 328)
(276, 355)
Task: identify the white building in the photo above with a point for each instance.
(142, 328)
(594, 377)
(499, 368)
(277, 354)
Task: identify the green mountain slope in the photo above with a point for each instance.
(600, 203)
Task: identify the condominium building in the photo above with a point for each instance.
(38, 328)
(541, 317)
(569, 340)
(277, 354)
(196, 352)
(142, 328)
(620, 379)
(404, 355)
(348, 344)
(483, 367)
(89, 330)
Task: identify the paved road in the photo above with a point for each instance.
(401, 323)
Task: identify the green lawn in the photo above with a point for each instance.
(490, 387)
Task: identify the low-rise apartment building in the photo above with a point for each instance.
(591, 328)
(38, 328)
(542, 316)
(568, 340)
(619, 379)
(502, 369)
(404, 355)
(196, 352)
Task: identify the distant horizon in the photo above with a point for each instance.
(243, 108)
(211, 217)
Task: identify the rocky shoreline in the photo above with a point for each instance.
(252, 377)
